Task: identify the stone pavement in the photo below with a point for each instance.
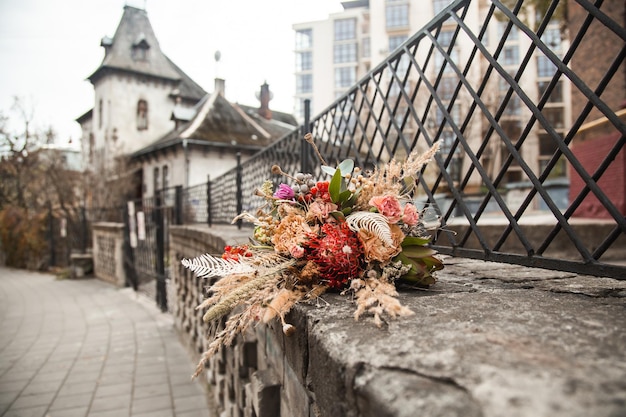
(85, 348)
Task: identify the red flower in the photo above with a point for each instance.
(233, 253)
(337, 252)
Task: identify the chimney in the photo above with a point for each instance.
(220, 86)
(265, 97)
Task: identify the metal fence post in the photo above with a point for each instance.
(209, 220)
(178, 205)
(304, 146)
(161, 292)
(239, 190)
(128, 252)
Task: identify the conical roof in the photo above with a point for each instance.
(134, 34)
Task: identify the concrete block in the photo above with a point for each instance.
(295, 395)
(265, 393)
(274, 350)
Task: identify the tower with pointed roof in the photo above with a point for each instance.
(136, 88)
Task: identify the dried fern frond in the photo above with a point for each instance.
(246, 217)
(375, 223)
(207, 266)
(244, 292)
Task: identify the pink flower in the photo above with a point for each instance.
(411, 215)
(297, 251)
(284, 192)
(319, 210)
(388, 206)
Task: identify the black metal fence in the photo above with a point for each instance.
(506, 92)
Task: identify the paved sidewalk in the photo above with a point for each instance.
(85, 348)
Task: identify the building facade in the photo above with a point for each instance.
(136, 88)
(333, 54)
(152, 127)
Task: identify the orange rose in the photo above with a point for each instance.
(375, 250)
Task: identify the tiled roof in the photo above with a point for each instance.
(219, 123)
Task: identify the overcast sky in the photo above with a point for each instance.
(48, 48)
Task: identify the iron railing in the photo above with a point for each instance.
(508, 93)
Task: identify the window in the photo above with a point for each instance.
(513, 34)
(545, 67)
(396, 41)
(304, 61)
(547, 147)
(556, 95)
(513, 107)
(510, 55)
(344, 52)
(552, 38)
(345, 29)
(445, 38)
(156, 180)
(397, 15)
(554, 116)
(304, 83)
(345, 77)
(304, 39)
(140, 53)
(439, 5)
(440, 60)
(166, 177)
(446, 87)
(142, 115)
(92, 144)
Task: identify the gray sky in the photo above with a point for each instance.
(48, 48)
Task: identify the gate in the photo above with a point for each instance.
(146, 245)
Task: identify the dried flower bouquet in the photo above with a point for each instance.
(355, 233)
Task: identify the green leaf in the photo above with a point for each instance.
(328, 170)
(334, 188)
(346, 167)
(418, 251)
(419, 273)
(433, 263)
(346, 211)
(415, 241)
(338, 215)
(425, 279)
(352, 201)
(344, 196)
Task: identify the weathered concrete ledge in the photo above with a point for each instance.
(487, 340)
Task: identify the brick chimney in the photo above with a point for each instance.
(265, 96)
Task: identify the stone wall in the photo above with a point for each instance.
(487, 340)
(108, 241)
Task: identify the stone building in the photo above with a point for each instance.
(136, 87)
(148, 109)
(208, 139)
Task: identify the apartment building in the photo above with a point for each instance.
(333, 54)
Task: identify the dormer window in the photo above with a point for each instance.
(142, 115)
(140, 49)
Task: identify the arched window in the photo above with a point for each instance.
(142, 115)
